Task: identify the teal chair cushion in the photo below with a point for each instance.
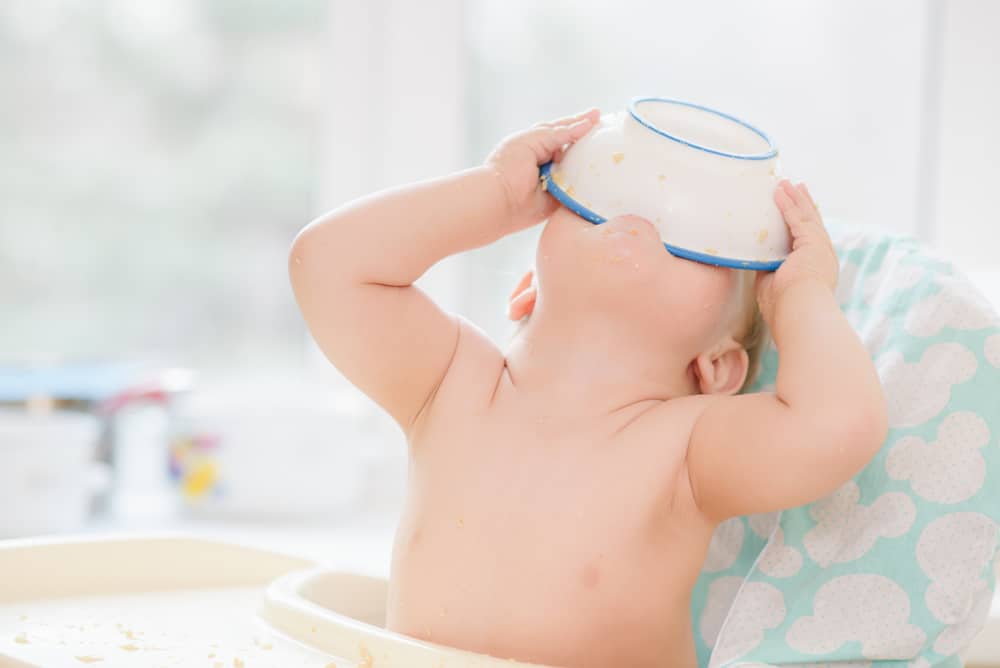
(895, 568)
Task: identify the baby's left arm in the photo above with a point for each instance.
(825, 420)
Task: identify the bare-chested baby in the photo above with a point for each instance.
(562, 492)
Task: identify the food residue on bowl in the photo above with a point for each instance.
(761, 236)
(367, 660)
(21, 639)
(712, 251)
(617, 157)
(89, 659)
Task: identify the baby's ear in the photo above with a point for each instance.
(522, 301)
(722, 370)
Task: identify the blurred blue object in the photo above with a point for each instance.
(88, 382)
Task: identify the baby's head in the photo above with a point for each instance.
(620, 269)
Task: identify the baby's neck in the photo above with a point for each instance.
(595, 364)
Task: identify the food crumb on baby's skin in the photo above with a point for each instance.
(761, 236)
(633, 232)
(461, 523)
(21, 639)
(616, 259)
(617, 157)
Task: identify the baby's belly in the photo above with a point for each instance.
(564, 599)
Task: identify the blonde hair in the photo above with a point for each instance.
(752, 335)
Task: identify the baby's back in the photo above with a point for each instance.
(547, 537)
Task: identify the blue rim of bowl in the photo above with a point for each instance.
(705, 258)
(773, 152)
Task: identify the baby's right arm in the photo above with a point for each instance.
(826, 418)
(353, 269)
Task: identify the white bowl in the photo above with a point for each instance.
(704, 178)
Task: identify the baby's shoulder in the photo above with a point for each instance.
(473, 372)
(678, 415)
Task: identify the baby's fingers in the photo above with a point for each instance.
(592, 114)
(549, 141)
(798, 210)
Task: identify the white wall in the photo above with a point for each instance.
(967, 198)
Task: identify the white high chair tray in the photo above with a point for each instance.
(171, 601)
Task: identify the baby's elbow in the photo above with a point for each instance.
(865, 429)
(304, 268)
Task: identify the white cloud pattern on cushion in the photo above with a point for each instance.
(761, 606)
(779, 560)
(956, 306)
(891, 277)
(958, 637)
(992, 350)
(955, 552)
(845, 530)
(763, 524)
(917, 391)
(866, 608)
(721, 594)
(948, 470)
(727, 541)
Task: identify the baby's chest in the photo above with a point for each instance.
(566, 492)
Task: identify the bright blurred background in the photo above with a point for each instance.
(158, 156)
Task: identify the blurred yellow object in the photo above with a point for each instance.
(200, 479)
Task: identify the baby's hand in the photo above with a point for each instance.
(812, 256)
(518, 157)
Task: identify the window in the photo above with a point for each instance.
(157, 159)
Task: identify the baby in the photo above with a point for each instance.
(562, 494)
